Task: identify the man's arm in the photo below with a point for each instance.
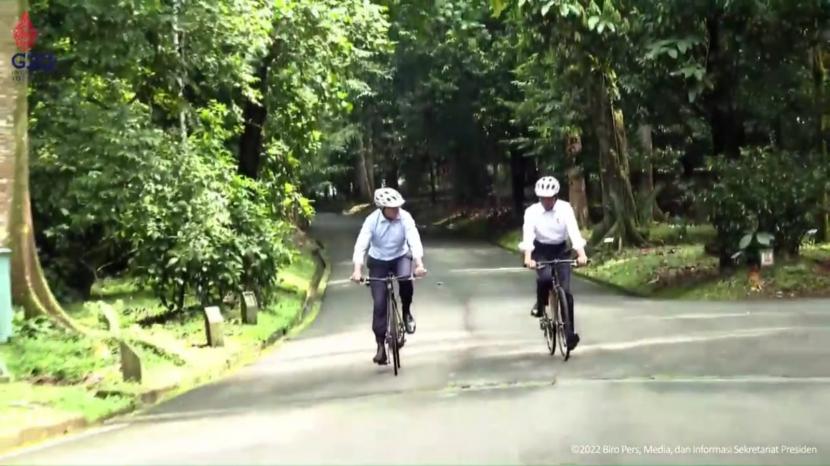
(577, 241)
(361, 246)
(528, 235)
(413, 238)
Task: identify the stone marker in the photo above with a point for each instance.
(767, 258)
(130, 363)
(214, 326)
(5, 375)
(250, 307)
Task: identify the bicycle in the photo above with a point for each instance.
(556, 322)
(395, 327)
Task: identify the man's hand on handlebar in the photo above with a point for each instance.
(420, 269)
(357, 274)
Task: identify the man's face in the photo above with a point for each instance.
(547, 202)
(391, 213)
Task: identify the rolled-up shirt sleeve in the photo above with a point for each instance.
(528, 227)
(577, 241)
(413, 238)
(361, 246)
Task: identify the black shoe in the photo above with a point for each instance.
(535, 311)
(380, 357)
(573, 341)
(409, 322)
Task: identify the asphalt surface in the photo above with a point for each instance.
(652, 382)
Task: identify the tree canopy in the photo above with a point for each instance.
(179, 141)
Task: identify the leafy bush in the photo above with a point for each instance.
(764, 190)
(110, 189)
(92, 149)
(201, 227)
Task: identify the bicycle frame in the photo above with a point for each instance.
(395, 333)
(555, 275)
(551, 323)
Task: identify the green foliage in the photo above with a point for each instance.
(115, 185)
(45, 351)
(764, 190)
(202, 228)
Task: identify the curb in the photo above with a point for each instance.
(39, 433)
(316, 289)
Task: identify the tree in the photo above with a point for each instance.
(579, 44)
(29, 287)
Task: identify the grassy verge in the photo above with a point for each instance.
(680, 268)
(57, 374)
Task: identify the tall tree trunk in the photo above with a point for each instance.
(254, 116)
(433, 180)
(518, 167)
(29, 287)
(361, 176)
(178, 45)
(392, 168)
(619, 207)
(577, 192)
(646, 170)
(362, 169)
(820, 82)
(725, 121)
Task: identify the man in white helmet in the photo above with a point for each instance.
(390, 236)
(548, 224)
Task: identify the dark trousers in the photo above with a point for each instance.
(549, 252)
(400, 267)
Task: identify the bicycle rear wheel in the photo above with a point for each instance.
(563, 327)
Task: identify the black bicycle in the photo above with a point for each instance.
(395, 327)
(556, 324)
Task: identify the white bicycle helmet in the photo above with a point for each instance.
(388, 197)
(547, 186)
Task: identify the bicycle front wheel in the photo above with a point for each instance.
(547, 323)
(394, 348)
(563, 327)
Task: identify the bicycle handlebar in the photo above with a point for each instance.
(367, 280)
(543, 264)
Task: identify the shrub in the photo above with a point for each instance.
(764, 190)
(202, 228)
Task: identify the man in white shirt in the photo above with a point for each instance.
(390, 236)
(548, 224)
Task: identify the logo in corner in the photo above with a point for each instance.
(25, 34)
(26, 61)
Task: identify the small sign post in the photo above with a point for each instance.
(250, 307)
(214, 326)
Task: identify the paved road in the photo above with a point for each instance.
(652, 382)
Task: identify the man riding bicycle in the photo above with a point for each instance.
(547, 226)
(390, 236)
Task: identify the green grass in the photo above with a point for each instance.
(62, 372)
(802, 277)
(297, 276)
(674, 234)
(649, 270)
(677, 267)
(20, 401)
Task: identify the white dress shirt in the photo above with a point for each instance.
(387, 240)
(551, 227)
